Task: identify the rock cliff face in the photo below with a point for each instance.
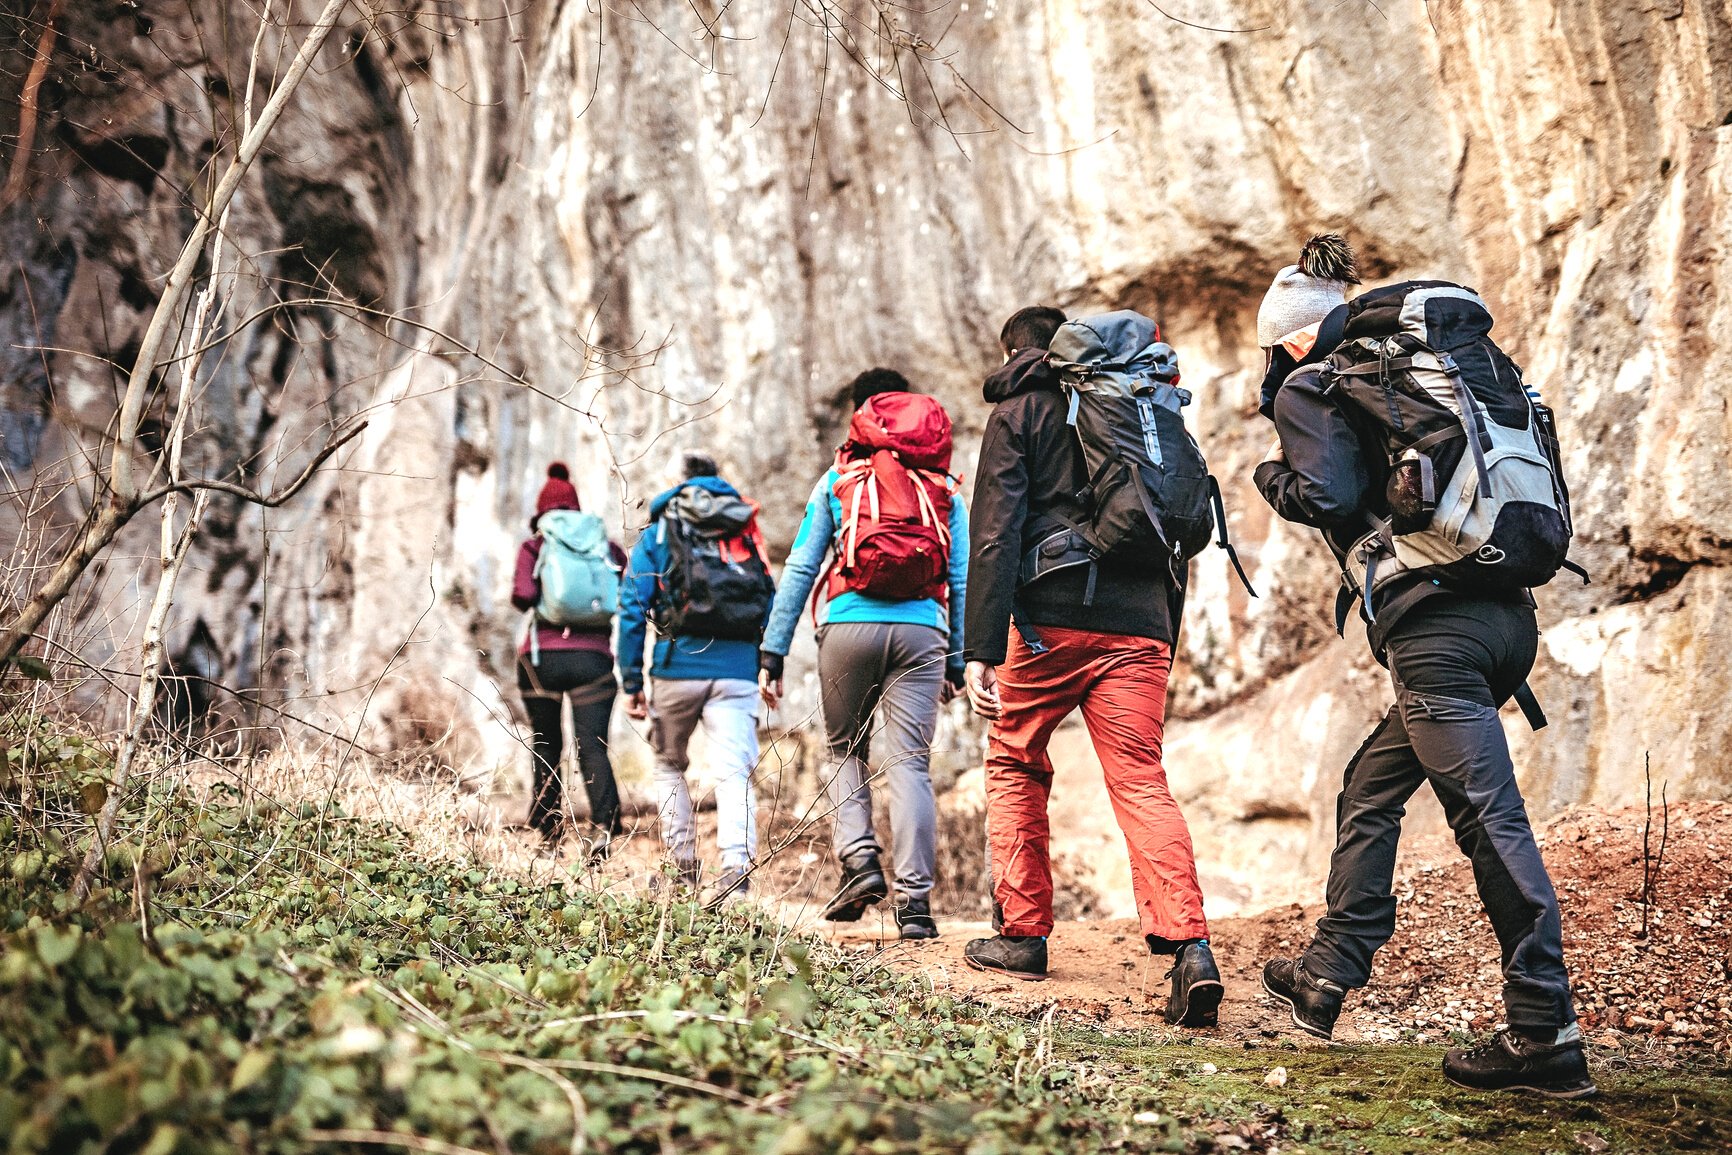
(692, 228)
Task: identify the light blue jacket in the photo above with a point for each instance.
(806, 562)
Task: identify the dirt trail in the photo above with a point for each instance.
(1102, 973)
(1664, 988)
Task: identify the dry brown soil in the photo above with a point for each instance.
(1667, 991)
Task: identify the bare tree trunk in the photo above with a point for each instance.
(144, 707)
(30, 110)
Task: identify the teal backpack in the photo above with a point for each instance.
(579, 582)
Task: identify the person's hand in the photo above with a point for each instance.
(637, 706)
(955, 682)
(1276, 453)
(770, 677)
(769, 689)
(982, 682)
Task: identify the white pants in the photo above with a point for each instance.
(728, 709)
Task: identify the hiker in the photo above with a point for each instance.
(1409, 439)
(700, 575)
(1094, 587)
(567, 580)
(885, 609)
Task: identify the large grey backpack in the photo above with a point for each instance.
(1149, 495)
(1476, 489)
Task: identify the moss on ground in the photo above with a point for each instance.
(1384, 1100)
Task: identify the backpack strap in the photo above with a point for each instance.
(1530, 705)
(1221, 528)
(1372, 546)
(1478, 439)
(1432, 440)
(1020, 621)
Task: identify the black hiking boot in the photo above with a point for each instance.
(1195, 999)
(1315, 1002)
(862, 886)
(914, 918)
(1018, 957)
(1511, 1061)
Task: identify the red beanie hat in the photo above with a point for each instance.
(558, 493)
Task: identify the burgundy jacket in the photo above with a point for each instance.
(526, 592)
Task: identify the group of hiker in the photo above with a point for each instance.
(1402, 433)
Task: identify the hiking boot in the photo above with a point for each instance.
(914, 918)
(1512, 1061)
(1315, 1002)
(1195, 998)
(1013, 955)
(734, 885)
(862, 886)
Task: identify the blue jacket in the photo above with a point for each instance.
(685, 658)
(805, 564)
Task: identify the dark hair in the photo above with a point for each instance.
(876, 381)
(1030, 328)
(699, 465)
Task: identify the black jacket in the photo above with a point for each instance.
(1030, 469)
(1336, 472)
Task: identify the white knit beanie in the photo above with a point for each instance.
(1305, 293)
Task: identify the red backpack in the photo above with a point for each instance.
(894, 487)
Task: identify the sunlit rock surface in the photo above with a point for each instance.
(656, 238)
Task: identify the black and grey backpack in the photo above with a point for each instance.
(1476, 487)
(1149, 495)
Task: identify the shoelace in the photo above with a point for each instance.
(1490, 1047)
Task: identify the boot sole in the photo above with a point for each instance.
(850, 908)
(917, 934)
(1586, 1092)
(1202, 1005)
(1326, 1036)
(986, 968)
(849, 911)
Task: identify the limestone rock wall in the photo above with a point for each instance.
(694, 232)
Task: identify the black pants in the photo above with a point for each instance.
(1454, 661)
(587, 676)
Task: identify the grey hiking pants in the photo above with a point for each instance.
(727, 708)
(895, 670)
(1453, 661)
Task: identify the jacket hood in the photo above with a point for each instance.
(714, 484)
(1023, 373)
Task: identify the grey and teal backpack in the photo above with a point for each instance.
(1149, 495)
(1476, 487)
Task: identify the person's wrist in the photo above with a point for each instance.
(771, 664)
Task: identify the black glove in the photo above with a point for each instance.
(771, 664)
(955, 676)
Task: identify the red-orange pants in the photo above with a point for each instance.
(1120, 683)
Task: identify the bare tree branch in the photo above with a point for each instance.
(269, 500)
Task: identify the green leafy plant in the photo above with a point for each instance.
(266, 978)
